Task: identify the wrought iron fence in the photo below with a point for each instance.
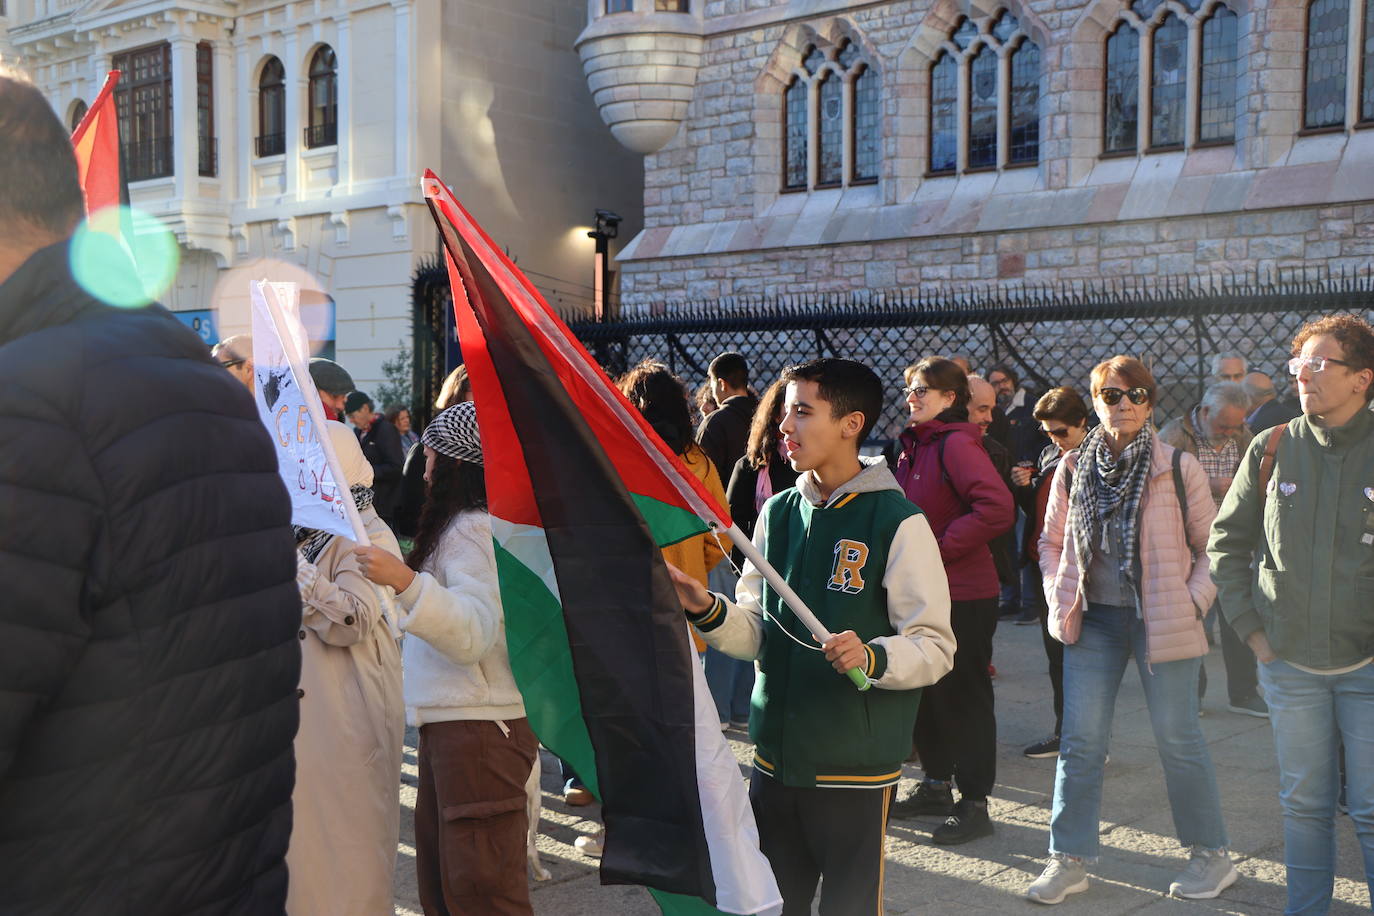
(270, 144)
(148, 159)
(324, 134)
(1049, 336)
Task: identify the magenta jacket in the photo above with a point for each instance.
(967, 504)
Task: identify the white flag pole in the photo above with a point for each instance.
(792, 599)
(316, 410)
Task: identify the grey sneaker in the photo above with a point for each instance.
(1062, 876)
(1250, 706)
(1209, 872)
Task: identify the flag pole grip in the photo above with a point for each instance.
(793, 600)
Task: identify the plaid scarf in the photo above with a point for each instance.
(1105, 486)
(311, 541)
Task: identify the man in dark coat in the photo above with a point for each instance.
(149, 660)
(382, 447)
(1266, 410)
(724, 434)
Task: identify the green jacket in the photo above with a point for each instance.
(1311, 584)
(866, 561)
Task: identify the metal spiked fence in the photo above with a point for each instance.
(1048, 335)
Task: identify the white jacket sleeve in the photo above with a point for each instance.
(922, 651)
(736, 627)
(463, 618)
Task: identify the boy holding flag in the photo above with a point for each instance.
(866, 562)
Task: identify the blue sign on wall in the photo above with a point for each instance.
(202, 321)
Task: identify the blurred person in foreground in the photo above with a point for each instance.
(149, 665)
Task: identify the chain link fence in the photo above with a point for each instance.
(1049, 336)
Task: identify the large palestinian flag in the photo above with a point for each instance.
(582, 493)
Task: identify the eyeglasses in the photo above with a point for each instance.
(1060, 433)
(1112, 396)
(1314, 363)
(231, 363)
(920, 391)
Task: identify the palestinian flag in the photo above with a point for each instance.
(582, 494)
(96, 142)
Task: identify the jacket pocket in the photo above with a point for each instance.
(1269, 600)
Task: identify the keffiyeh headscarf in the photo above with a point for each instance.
(454, 433)
(1105, 487)
(310, 541)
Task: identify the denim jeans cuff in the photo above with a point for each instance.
(1086, 860)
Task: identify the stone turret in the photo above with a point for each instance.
(641, 66)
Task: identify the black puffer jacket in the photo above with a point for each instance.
(148, 649)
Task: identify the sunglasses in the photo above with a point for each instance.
(1112, 396)
(1060, 433)
(231, 363)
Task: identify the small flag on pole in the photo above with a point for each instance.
(96, 142)
(582, 494)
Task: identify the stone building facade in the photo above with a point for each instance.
(996, 141)
(286, 138)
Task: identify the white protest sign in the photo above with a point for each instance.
(290, 408)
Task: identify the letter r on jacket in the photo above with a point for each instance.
(847, 575)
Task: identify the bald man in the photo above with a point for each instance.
(1266, 410)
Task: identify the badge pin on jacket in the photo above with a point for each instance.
(1369, 493)
(1288, 489)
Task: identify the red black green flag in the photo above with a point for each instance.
(582, 494)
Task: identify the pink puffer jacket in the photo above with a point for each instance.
(1176, 582)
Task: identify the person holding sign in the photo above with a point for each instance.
(348, 749)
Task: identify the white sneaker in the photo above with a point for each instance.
(1062, 876)
(590, 845)
(1209, 872)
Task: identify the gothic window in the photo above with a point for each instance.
(1123, 90)
(1217, 115)
(271, 139)
(323, 99)
(795, 123)
(944, 115)
(79, 109)
(1025, 104)
(1169, 67)
(831, 106)
(205, 110)
(1179, 110)
(1328, 22)
(978, 59)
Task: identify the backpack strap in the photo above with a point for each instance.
(1266, 468)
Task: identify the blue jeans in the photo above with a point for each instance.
(1311, 715)
(1093, 668)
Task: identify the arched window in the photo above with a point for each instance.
(1169, 68)
(324, 99)
(271, 139)
(846, 100)
(978, 59)
(794, 135)
(1367, 65)
(830, 164)
(1328, 26)
(944, 114)
(1181, 110)
(1123, 90)
(1025, 104)
(1217, 117)
(78, 112)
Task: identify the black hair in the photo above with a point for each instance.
(455, 486)
(1009, 372)
(661, 397)
(732, 367)
(356, 401)
(849, 386)
(39, 190)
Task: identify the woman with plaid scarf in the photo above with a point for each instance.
(1126, 577)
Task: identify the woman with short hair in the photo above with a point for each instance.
(1124, 557)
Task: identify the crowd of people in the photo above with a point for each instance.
(202, 706)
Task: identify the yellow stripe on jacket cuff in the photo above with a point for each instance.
(712, 618)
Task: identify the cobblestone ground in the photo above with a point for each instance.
(1139, 856)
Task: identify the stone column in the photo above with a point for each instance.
(343, 57)
(297, 85)
(245, 138)
(185, 136)
(405, 94)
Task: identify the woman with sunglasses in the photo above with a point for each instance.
(1063, 417)
(944, 469)
(1126, 577)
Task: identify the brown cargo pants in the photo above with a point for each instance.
(470, 820)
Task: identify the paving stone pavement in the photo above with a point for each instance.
(1139, 856)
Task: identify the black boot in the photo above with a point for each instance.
(968, 822)
(931, 797)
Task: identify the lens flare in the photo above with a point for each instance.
(124, 257)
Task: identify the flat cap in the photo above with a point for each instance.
(330, 377)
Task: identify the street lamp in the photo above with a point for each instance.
(607, 228)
